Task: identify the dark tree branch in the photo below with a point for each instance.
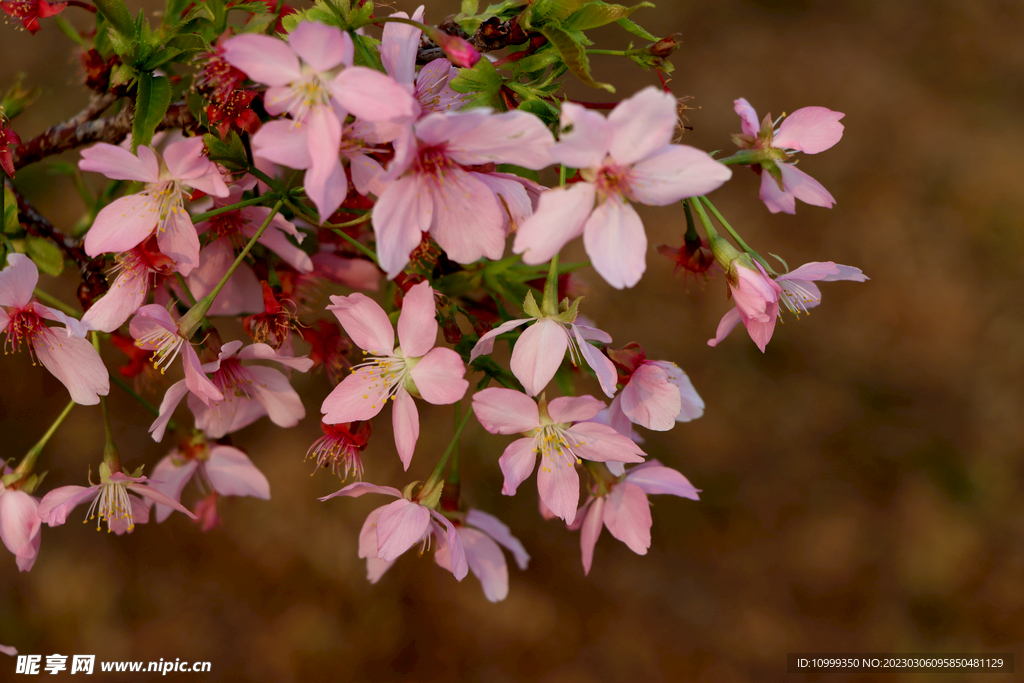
(492, 35)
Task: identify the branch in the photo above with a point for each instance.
(492, 35)
(37, 224)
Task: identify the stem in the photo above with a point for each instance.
(172, 425)
(224, 209)
(245, 252)
(435, 476)
(184, 287)
(357, 244)
(110, 456)
(729, 229)
(549, 304)
(29, 461)
(453, 474)
(54, 301)
(615, 53)
(691, 229)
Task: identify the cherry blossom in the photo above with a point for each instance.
(656, 394)
(340, 446)
(134, 268)
(414, 368)
(20, 525)
(559, 432)
(809, 130)
(627, 157)
(623, 508)
(69, 357)
(128, 221)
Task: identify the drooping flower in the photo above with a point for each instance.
(154, 330)
(340, 446)
(128, 293)
(224, 469)
(29, 12)
(809, 130)
(110, 502)
(394, 528)
(248, 392)
(655, 394)
(438, 191)
(482, 534)
(559, 433)
(795, 289)
(313, 80)
(128, 221)
(69, 357)
(756, 296)
(625, 158)
(20, 525)
(414, 368)
(539, 352)
(621, 505)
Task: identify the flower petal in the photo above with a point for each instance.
(406, 422)
(487, 563)
(560, 217)
(601, 443)
(485, 345)
(118, 163)
(398, 47)
(169, 478)
(359, 488)
(467, 222)
(499, 531)
(506, 411)
(401, 216)
(516, 464)
(691, 404)
(456, 552)
(627, 514)
(804, 187)
(365, 322)
(172, 397)
(155, 496)
(559, 486)
(590, 531)
(587, 143)
(573, 408)
(654, 479)
(642, 124)
(810, 130)
(775, 198)
(263, 59)
(232, 473)
(18, 280)
(748, 117)
(325, 182)
(275, 393)
(615, 240)
(600, 363)
(538, 353)
(513, 137)
(55, 505)
(675, 171)
(400, 525)
(417, 324)
(282, 142)
(177, 238)
(122, 224)
(19, 522)
(321, 46)
(650, 400)
(360, 396)
(439, 377)
(729, 322)
(371, 96)
(75, 362)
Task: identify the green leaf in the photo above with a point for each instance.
(542, 109)
(174, 8)
(71, 32)
(574, 55)
(538, 61)
(116, 12)
(637, 29)
(470, 7)
(11, 224)
(230, 152)
(595, 14)
(159, 58)
(45, 254)
(151, 103)
(188, 42)
(483, 79)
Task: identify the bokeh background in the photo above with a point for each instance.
(862, 480)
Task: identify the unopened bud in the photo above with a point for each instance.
(452, 333)
(664, 48)
(459, 51)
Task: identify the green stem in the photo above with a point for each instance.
(615, 53)
(233, 207)
(357, 244)
(739, 240)
(453, 473)
(549, 304)
(245, 252)
(691, 229)
(301, 211)
(184, 286)
(110, 456)
(172, 425)
(53, 301)
(29, 461)
(436, 475)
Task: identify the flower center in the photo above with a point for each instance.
(166, 196)
(303, 96)
(25, 324)
(165, 346)
(554, 443)
(434, 163)
(113, 503)
(611, 179)
(384, 375)
(797, 297)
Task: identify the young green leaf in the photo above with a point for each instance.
(151, 103)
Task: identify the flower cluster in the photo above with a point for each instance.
(319, 160)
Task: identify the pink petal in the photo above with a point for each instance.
(197, 382)
(560, 217)
(642, 124)
(417, 324)
(439, 377)
(810, 130)
(360, 396)
(157, 497)
(601, 443)
(326, 184)
(8, 650)
(55, 505)
(276, 395)
(75, 362)
(846, 273)
(178, 239)
(615, 240)
(559, 487)
(748, 117)
(516, 464)
(485, 345)
(282, 142)
(242, 292)
(590, 531)
(401, 216)
(18, 280)
(538, 353)
(185, 162)
(487, 563)
(25, 564)
(499, 531)
(513, 137)
(587, 144)
(650, 400)
(761, 332)
(121, 225)
(599, 362)
(118, 163)
(354, 273)
(19, 522)
(467, 218)
(456, 552)
(264, 352)
(505, 411)
(511, 190)
(406, 422)
(400, 525)
(149, 319)
(816, 270)
(321, 46)
(72, 326)
(804, 187)
(232, 474)
(691, 404)
(170, 478)
(774, 198)
(359, 488)
(656, 479)
(264, 59)
(674, 172)
(729, 321)
(368, 534)
(573, 408)
(122, 300)
(371, 96)
(365, 322)
(627, 514)
(172, 398)
(376, 568)
(398, 47)
(273, 238)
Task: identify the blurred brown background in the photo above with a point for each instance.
(862, 480)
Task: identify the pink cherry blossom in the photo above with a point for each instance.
(249, 392)
(624, 510)
(795, 289)
(392, 529)
(313, 80)
(625, 158)
(110, 502)
(128, 221)
(809, 130)
(414, 368)
(560, 433)
(482, 536)
(225, 469)
(757, 304)
(69, 357)
(399, 46)
(437, 191)
(20, 525)
(539, 351)
(154, 330)
(134, 268)
(656, 394)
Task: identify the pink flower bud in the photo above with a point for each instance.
(458, 50)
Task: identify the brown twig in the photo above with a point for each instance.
(492, 35)
(37, 224)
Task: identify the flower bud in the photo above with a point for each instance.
(459, 51)
(664, 48)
